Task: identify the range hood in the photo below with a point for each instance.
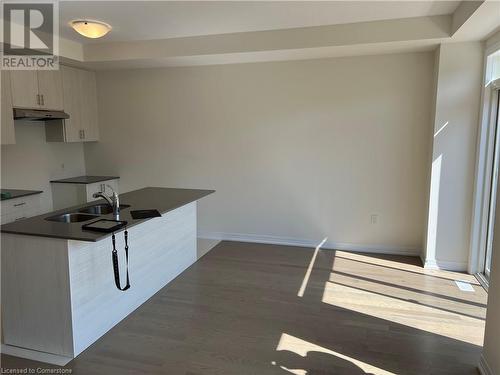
(38, 114)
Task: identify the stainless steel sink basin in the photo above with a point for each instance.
(101, 209)
(72, 217)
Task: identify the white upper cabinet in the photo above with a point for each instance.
(72, 104)
(50, 89)
(88, 89)
(8, 134)
(80, 102)
(24, 84)
(69, 89)
(37, 89)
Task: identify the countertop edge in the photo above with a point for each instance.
(102, 236)
(28, 193)
(68, 180)
(65, 238)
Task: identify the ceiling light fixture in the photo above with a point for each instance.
(90, 29)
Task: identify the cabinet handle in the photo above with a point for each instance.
(83, 133)
(19, 204)
(43, 100)
(38, 99)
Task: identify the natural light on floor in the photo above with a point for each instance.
(407, 296)
(309, 268)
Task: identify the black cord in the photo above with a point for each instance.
(116, 267)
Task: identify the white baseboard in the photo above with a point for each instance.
(289, 241)
(34, 355)
(435, 264)
(483, 367)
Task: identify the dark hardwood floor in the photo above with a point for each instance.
(262, 309)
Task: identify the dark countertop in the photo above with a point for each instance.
(17, 193)
(84, 179)
(162, 199)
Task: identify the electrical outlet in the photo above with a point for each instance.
(374, 218)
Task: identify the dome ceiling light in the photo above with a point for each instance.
(90, 29)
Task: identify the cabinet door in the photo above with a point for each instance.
(24, 85)
(20, 208)
(8, 135)
(89, 106)
(72, 103)
(50, 89)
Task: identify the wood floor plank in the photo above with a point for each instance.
(238, 311)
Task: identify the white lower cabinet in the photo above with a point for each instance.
(20, 208)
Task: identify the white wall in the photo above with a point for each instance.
(302, 149)
(455, 123)
(32, 162)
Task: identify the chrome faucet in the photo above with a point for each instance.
(112, 200)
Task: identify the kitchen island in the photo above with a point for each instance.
(58, 287)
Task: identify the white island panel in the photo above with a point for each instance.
(59, 296)
(159, 250)
(36, 310)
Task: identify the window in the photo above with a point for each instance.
(487, 168)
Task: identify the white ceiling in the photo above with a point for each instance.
(179, 33)
(143, 20)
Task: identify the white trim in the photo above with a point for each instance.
(483, 281)
(291, 241)
(477, 216)
(35, 355)
(495, 84)
(483, 367)
(435, 264)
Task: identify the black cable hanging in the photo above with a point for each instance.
(115, 263)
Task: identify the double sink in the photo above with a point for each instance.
(85, 214)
